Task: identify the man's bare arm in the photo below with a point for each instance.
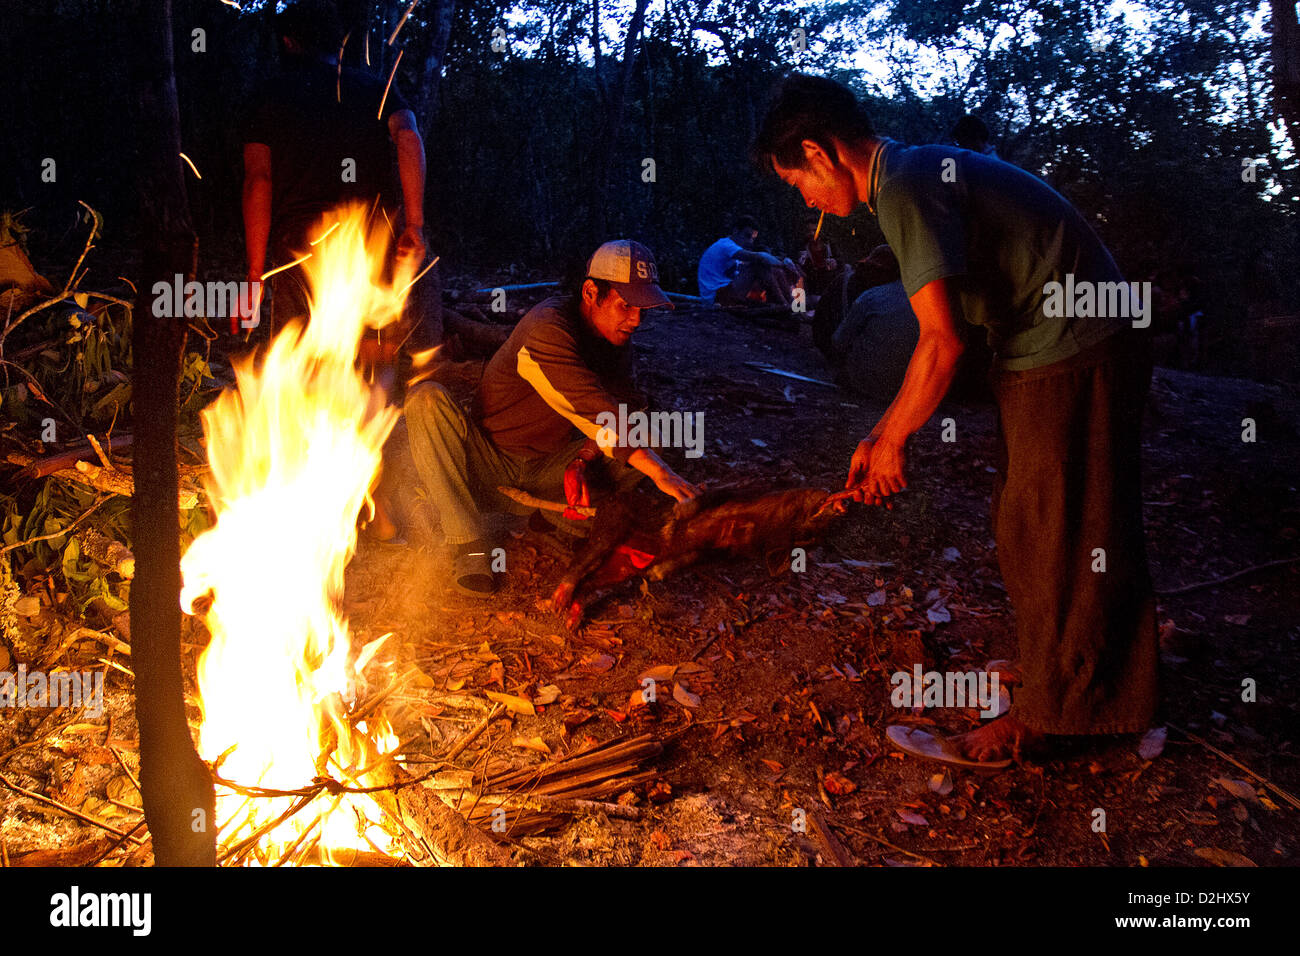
(256, 206)
(410, 168)
(666, 480)
(877, 464)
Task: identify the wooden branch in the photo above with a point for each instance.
(47, 537)
(545, 803)
(1186, 588)
(435, 834)
(1285, 795)
(834, 853)
(41, 798)
(82, 854)
(104, 550)
(532, 501)
(470, 737)
(118, 480)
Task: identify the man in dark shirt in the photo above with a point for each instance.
(317, 136)
(538, 418)
(982, 240)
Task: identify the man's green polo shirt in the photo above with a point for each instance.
(1002, 234)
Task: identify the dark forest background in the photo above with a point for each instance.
(538, 118)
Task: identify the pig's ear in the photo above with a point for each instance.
(777, 560)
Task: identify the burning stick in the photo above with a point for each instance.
(338, 82)
(287, 265)
(192, 166)
(408, 285)
(384, 100)
(402, 22)
(818, 231)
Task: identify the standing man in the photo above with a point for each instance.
(317, 136)
(983, 241)
(536, 418)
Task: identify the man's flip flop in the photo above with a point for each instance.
(918, 743)
(471, 575)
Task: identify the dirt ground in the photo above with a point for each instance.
(794, 691)
(775, 712)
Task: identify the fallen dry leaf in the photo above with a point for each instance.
(1223, 857)
(685, 697)
(547, 695)
(907, 816)
(838, 784)
(663, 672)
(532, 743)
(1240, 789)
(516, 705)
(596, 663)
(1153, 743)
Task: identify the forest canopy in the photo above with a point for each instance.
(550, 126)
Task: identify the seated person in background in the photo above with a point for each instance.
(732, 272)
(534, 424)
(817, 262)
(876, 269)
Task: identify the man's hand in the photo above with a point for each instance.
(666, 480)
(241, 318)
(576, 492)
(672, 484)
(411, 245)
(876, 471)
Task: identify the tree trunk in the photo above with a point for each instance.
(613, 120)
(441, 16)
(179, 804)
(1286, 65)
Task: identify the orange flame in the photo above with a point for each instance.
(294, 448)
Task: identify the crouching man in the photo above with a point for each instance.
(535, 419)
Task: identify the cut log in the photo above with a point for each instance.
(115, 481)
(79, 855)
(102, 549)
(434, 833)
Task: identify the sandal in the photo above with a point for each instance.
(471, 574)
(919, 743)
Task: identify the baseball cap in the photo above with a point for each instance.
(631, 269)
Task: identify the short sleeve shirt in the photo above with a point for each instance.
(1003, 235)
(328, 137)
(715, 266)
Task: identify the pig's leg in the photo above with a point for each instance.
(611, 525)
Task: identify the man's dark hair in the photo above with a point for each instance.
(575, 277)
(603, 288)
(813, 108)
(744, 222)
(314, 24)
(970, 131)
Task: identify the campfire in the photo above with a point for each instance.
(294, 449)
